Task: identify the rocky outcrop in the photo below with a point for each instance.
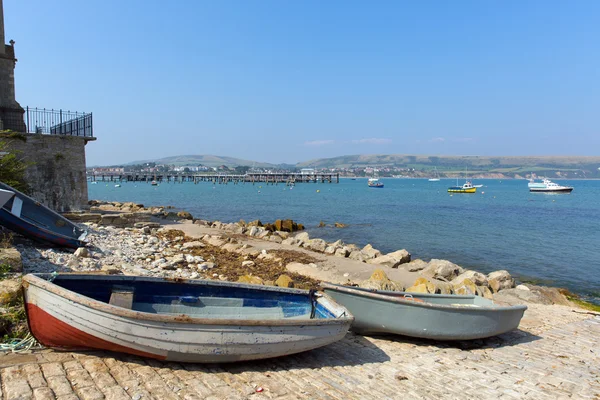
(369, 252)
(284, 281)
(253, 280)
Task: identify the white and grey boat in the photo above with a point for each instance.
(428, 316)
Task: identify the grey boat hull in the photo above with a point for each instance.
(430, 316)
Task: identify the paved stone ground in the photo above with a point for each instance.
(555, 354)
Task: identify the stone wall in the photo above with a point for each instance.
(57, 171)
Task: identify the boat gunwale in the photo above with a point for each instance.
(377, 295)
(36, 280)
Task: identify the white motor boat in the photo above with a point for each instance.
(547, 186)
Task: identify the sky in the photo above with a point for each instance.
(289, 81)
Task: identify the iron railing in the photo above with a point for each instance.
(58, 122)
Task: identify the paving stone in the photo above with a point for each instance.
(60, 385)
(43, 393)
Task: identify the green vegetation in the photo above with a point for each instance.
(12, 168)
(581, 303)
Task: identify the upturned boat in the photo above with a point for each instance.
(428, 316)
(22, 214)
(179, 320)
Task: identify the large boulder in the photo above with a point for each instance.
(392, 260)
(415, 265)
(442, 269)
(500, 280)
(341, 252)
(369, 252)
(532, 294)
(302, 237)
(184, 215)
(357, 255)
(477, 278)
(380, 281)
(317, 245)
(465, 287)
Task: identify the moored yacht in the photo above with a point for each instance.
(547, 186)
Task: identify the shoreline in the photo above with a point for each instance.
(555, 342)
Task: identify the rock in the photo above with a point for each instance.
(184, 215)
(206, 266)
(291, 241)
(380, 281)
(189, 258)
(465, 287)
(369, 252)
(357, 255)
(10, 291)
(196, 244)
(288, 226)
(341, 253)
(253, 280)
(422, 285)
(253, 231)
(278, 225)
(177, 259)
(317, 245)
(82, 252)
(339, 225)
(443, 287)
(477, 278)
(485, 292)
(322, 224)
(255, 223)
(392, 260)
(302, 237)
(330, 250)
(415, 265)
(522, 287)
(422, 288)
(442, 269)
(151, 225)
(276, 239)
(535, 294)
(500, 280)
(248, 263)
(284, 281)
(12, 258)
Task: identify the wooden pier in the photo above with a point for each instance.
(290, 178)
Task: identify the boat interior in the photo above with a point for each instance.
(197, 299)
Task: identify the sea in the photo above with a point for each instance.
(547, 239)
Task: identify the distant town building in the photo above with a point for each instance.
(307, 171)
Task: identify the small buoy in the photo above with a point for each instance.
(259, 389)
(259, 191)
(318, 191)
(482, 192)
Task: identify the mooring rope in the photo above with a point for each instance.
(20, 345)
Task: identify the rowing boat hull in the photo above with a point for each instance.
(38, 222)
(434, 318)
(70, 321)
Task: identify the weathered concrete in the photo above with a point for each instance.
(56, 173)
(554, 356)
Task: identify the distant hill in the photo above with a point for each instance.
(421, 165)
(208, 160)
(502, 166)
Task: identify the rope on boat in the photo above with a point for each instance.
(20, 345)
(313, 302)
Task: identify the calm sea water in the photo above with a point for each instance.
(549, 238)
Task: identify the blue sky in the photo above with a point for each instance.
(288, 81)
